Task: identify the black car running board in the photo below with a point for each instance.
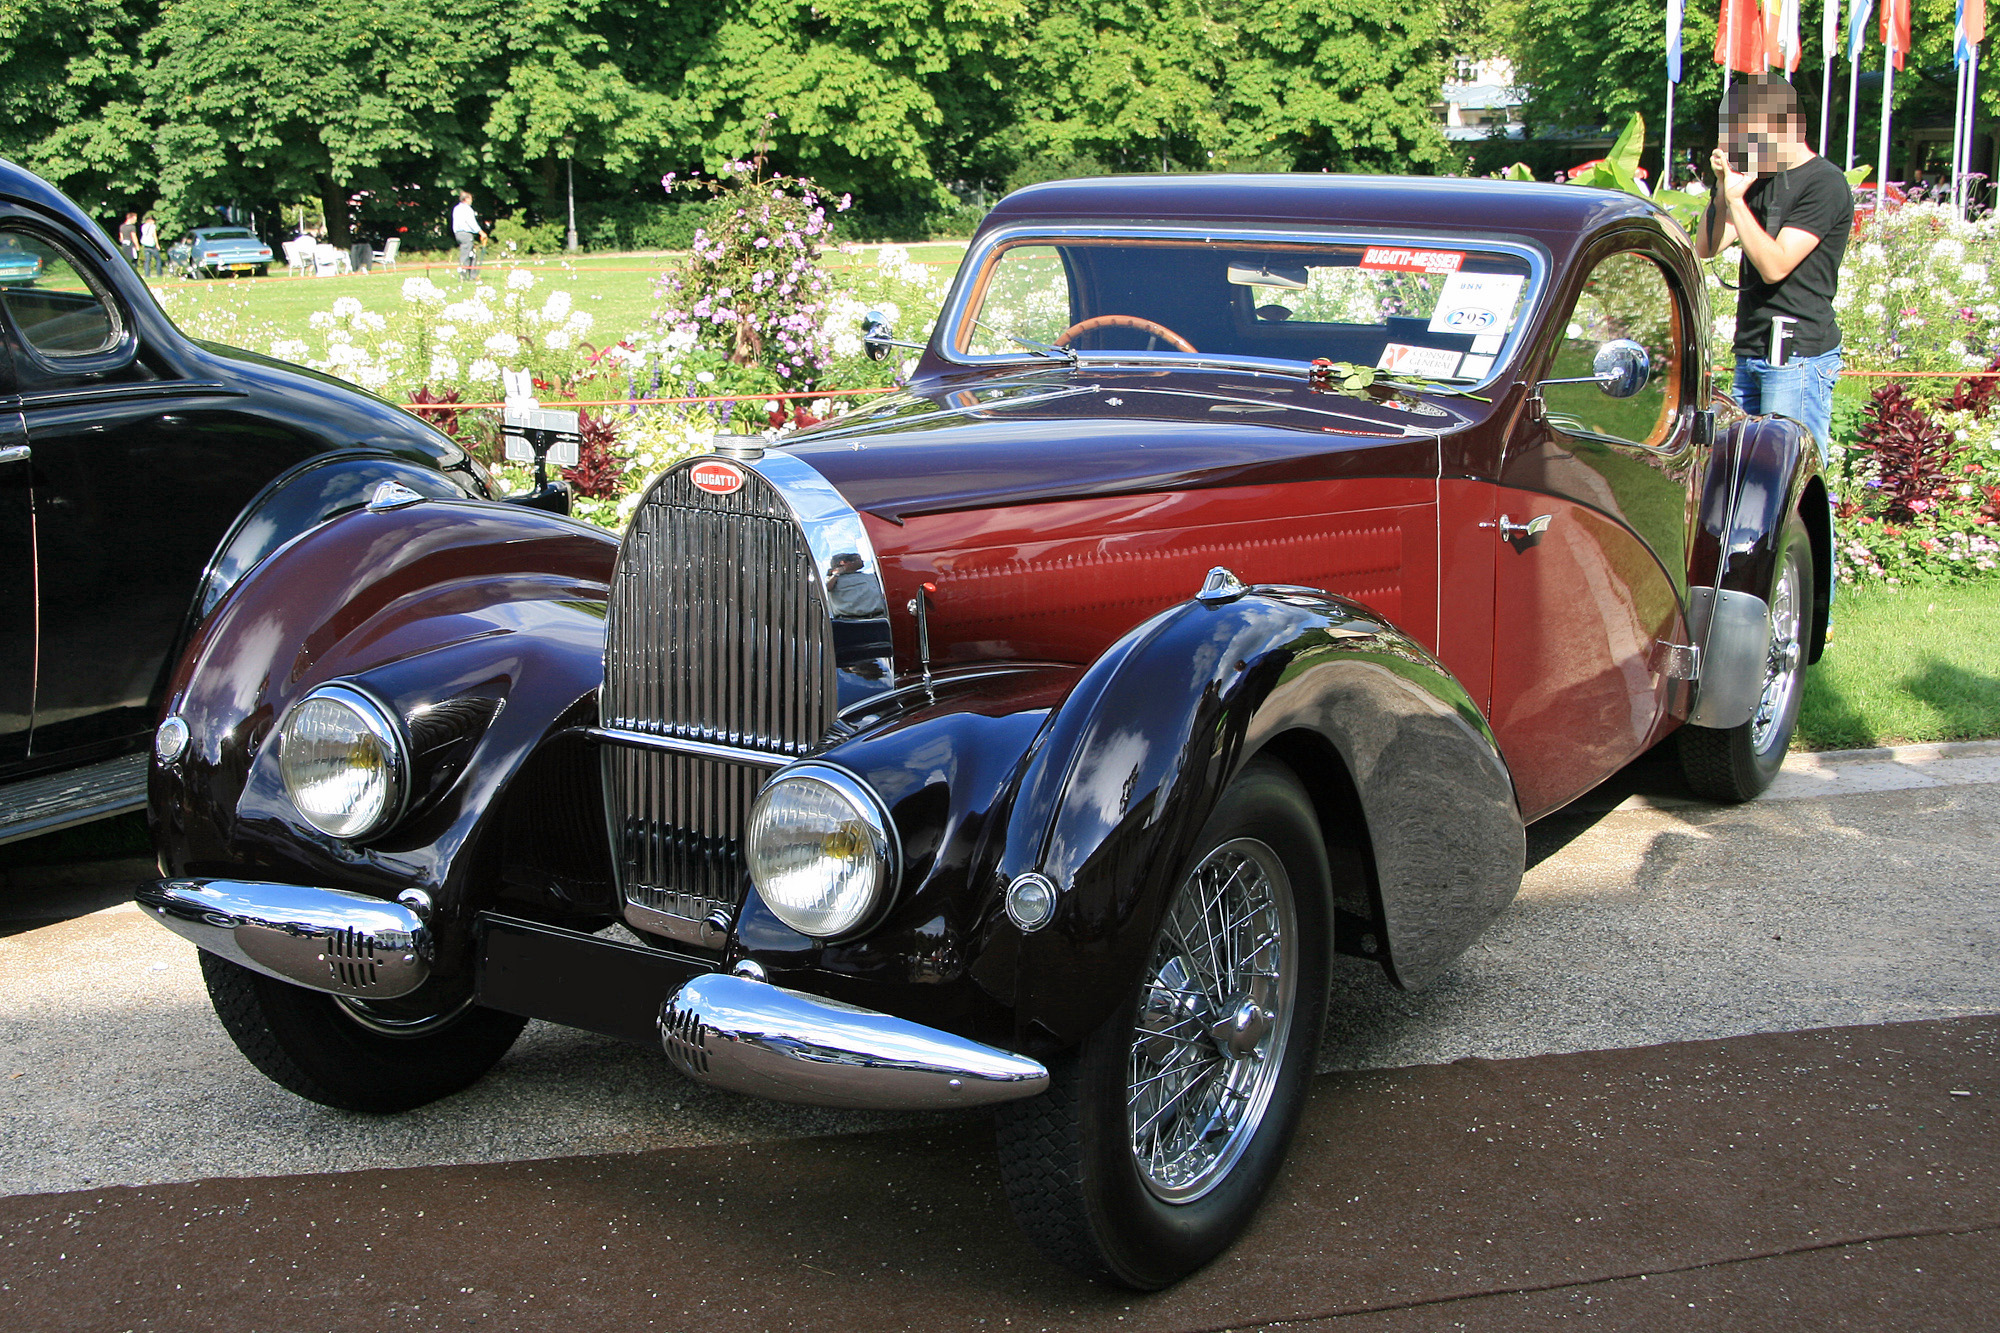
(49, 802)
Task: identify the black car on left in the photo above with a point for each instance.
(142, 473)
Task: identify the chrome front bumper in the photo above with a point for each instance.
(325, 939)
(752, 1037)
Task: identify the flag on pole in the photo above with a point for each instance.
(1829, 29)
(1739, 40)
(1968, 30)
(1781, 34)
(1896, 29)
(1857, 29)
(1675, 12)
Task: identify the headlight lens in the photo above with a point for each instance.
(822, 851)
(344, 761)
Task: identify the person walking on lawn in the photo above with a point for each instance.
(149, 248)
(1791, 210)
(471, 235)
(128, 238)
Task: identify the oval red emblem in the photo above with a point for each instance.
(717, 478)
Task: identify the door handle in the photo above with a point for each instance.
(15, 453)
(1522, 535)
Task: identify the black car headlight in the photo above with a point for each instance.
(345, 762)
(822, 850)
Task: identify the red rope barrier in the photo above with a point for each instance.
(660, 402)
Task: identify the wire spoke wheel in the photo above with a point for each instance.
(1211, 1031)
(1782, 663)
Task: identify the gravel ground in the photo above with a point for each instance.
(1861, 891)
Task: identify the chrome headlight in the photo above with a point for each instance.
(822, 850)
(345, 762)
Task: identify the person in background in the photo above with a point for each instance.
(471, 235)
(149, 248)
(128, 238)
(1791, 210)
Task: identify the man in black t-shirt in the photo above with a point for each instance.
(1791, 210)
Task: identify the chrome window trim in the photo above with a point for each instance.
(124, 343)
(1016, 233)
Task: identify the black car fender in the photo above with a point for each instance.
(1761, 470)
(479, 625)
(305, 496)
(1115, 793)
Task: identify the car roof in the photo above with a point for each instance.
(1426, 203)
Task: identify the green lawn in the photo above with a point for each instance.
(616, 289)
(1906, 665)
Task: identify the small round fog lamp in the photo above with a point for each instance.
(170, 742)
(1031, 901)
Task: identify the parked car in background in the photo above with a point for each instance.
(1248, 562)
(208, 252)
(141, 474)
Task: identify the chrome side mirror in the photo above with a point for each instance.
(1621, 367)
(876, 335)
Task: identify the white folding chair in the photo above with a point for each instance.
(329, 260)
(298, 255)
(386, 256)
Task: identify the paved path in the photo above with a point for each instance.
(1708, 1073)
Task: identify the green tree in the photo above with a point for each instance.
(71, 94)
(261, 100)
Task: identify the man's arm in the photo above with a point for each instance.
(1774, 257)
(1713, 233)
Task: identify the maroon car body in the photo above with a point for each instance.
(1031, 737)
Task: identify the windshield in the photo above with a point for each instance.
(226, 234)
(1438, 311)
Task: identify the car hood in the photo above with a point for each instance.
(1025, 438)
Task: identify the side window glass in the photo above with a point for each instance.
(54, 299)
(1626, 296)
(1027, 295)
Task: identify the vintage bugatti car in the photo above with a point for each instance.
(141, 473)
(1248, 561)
(208, 252)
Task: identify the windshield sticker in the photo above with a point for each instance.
(1396, 259)
(1427, 362)
(1476, 367)
(1476, 303)
(1487, 344)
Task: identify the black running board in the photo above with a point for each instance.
(50, 802)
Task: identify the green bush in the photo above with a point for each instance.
(528, 238)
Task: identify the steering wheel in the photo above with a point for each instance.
(1124, 322)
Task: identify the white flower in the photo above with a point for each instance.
(373, 378)
(346, 308)
(556, 308)
(678, 341)
(1972, 275)
(705, 377)
(520, 280)
(290, 349)
(1947, 248)
(424, 290)
(502, 344)
(556, 339)
(371, 322)
(1902, 284)
(469, 312)
(484, 293)
(484, 370)
(389, 347)
(444, 366)
(446, 332)
(580, 322)
(320, 319)
(1874, 309)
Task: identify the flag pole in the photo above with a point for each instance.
(1882, 148)
(1667, 144)
(1958, 142)
(1829, 40)
(1971, 114)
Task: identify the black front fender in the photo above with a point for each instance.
(1116, 792)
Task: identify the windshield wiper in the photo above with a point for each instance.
(1056, 353)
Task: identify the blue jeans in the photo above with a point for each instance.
(1801, 389)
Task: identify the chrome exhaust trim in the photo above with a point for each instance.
(324, 939)
(751, 1037)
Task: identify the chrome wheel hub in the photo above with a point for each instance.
(1210, 1038)
(387, 1020)
(1781, 663)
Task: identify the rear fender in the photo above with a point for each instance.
(1117, 790)
(1762, 470)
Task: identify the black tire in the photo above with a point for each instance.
(1068, 1158)
(1736, 764)
(325, 1051)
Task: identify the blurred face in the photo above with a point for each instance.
(1755, 138)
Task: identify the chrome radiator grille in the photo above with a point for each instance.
(717, 632)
